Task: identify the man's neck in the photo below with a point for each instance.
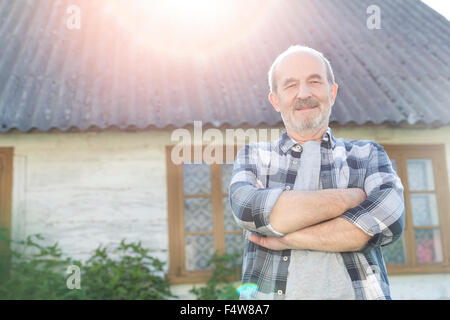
(307, 135)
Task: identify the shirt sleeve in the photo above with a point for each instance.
(382, 214)
(251, 206)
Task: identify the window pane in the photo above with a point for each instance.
(196, 179)
(420, 175)
(229, 222)
(198, 251)
(234, 243)
(424, 209)
(395, 252)
(428, 245)
(198, 214)
(227, 169)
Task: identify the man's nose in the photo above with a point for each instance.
(303, 92)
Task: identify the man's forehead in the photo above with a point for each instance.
(303, 61)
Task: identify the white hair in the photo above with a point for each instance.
(292, 49)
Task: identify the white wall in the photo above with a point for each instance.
(83, 189)
(420, 286)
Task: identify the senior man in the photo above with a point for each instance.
(315, 209)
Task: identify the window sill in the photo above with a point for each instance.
(194, 278)
(425, 268)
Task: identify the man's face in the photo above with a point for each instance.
(303, 96)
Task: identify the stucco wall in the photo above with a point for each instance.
(83, 189)
(87, 189)
(420, 286)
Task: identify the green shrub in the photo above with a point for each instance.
(227, 267)
(39, 275)
(134, 274)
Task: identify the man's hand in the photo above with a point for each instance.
(272, 243)
(354, 196)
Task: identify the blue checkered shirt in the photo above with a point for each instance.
(344, 164)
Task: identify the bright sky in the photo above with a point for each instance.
(441, 6)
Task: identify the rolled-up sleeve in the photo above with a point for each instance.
(251, 206)
(382, 214)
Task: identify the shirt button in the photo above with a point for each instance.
(285, 258)
(297, 148)
(295, 162)
(280, 292)
(288, 188)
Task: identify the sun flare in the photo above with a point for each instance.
(197, 26)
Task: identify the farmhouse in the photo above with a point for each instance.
(87, 117)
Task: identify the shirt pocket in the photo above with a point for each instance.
(342, 174)
(348, 177)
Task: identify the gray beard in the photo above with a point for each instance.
(320, 121)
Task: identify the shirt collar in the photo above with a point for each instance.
(286, 142)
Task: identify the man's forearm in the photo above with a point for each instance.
(295, 210)
(335, 235)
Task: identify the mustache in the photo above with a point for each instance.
(306, 103)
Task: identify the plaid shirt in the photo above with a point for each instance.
(344, 164)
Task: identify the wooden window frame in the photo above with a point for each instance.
(401, 153)
(175, 206)
(6, 180)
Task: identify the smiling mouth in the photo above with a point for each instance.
(304, 108)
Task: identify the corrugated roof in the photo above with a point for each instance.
(118, 72)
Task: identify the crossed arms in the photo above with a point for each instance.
(335, 220)
(319, 227)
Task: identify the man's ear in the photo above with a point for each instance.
(274, 101)
(334, 90)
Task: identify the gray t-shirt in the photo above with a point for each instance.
(312, 274)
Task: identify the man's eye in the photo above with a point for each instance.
(315, 82)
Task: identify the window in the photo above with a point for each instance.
(200, 218)
(424, 245)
